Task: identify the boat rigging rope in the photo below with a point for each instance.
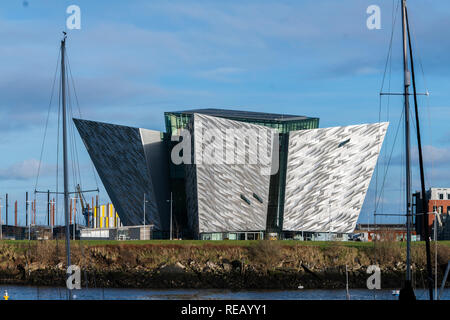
(57, 154)
(429, 178)
(389, 58)
(390, 158)
(427, 98)
(80, 115)
(73, 86)
(79, 112)
(46, 122)
(72, 139)
(73, 147)
(388, 62)
(76, 172)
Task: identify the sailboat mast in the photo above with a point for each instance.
(407, 83)
(422, 173)
(65, 164)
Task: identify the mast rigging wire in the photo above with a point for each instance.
(80, 114)
(387, 63)
(73, 148)
(46, 122)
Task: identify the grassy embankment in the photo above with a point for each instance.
(215, 264)
(355, 244)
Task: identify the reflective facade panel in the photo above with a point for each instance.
(121, 156)
(231, 196)
(157, 160)
(284, 123)
(328, 174)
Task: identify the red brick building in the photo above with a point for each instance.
(438, 200)
(384, 232)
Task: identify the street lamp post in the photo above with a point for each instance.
(28, 222)
(171, 205)
(145, 204)
(52, 204)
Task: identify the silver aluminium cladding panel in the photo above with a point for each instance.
(118, 154)
(328, 174)
(221, 188)
(158, 167)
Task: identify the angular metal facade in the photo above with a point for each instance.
(233, 196)
(324, 176)
(328, 174)
(121, 157)
(157, 159)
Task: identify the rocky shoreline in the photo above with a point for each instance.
(261, 266)
(172, 276)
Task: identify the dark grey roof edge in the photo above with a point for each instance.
(75, 120)
(231, 113)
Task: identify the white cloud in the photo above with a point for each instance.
(432, 156)
(24, 170)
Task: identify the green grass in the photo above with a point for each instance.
(242, 243)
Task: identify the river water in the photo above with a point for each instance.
(56, 293)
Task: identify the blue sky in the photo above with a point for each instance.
(133, 60)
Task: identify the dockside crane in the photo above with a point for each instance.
(87, 212)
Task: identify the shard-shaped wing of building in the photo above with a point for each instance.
(236, 173)
(328, 174)
(228, 184)
(129, 161)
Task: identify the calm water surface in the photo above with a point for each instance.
(56, 293)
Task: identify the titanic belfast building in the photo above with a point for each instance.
(229, 174)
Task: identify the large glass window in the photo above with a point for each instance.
(232, 236)
(216, 236)
(206, 236)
